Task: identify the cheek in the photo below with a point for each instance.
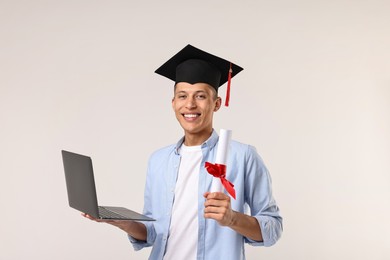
(176, 109)
(175, 105)
(210, 114)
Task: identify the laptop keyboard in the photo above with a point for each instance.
(107, 214)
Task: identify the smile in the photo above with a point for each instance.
(191, 115)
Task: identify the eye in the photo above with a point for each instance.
(181, 96)
(200, 96)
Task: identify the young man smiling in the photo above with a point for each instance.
(192, 222)
(194, 106)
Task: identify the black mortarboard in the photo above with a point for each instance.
(193, 65)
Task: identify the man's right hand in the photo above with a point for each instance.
(135, 229)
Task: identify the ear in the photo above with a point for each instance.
(218, 103)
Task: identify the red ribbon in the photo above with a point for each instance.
(219, 171)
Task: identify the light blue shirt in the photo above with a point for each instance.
(252, 182)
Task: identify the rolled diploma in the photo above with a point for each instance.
(221, 158)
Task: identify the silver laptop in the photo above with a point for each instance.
(80, 184)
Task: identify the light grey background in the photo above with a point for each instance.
(314, 99)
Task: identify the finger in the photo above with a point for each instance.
(217, 199)
(217, 203)
(215, 216)
(216, 211)
(94, 219)
(214, 208)
(89, 217)
(217, 196)
(85, 215)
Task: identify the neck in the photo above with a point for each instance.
(196, 139)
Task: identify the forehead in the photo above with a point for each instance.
(187, 87)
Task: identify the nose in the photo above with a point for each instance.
(190, 103)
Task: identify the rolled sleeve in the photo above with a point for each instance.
(271, 229)
(150, 238)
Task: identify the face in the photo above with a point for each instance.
(194, 106)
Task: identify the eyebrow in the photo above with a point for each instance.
(196, 92)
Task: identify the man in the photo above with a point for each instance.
(192, 222)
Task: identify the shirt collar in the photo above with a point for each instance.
(209, 143)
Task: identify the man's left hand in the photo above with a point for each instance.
(218, 207)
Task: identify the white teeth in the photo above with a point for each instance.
(190, 115)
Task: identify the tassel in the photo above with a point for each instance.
(228, 86)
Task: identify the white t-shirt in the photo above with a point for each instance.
(183, 231)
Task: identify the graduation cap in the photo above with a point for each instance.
(193, 65)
